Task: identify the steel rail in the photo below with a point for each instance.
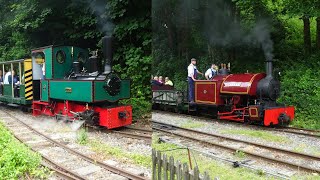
(133, 135)
(294, 165)
(242, 141)
(298, 131)
(139, 129)
(309, 130)
(279, 129)
(60, 171)
(112, 169)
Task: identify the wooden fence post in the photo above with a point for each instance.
(165, 167)
(186, 172)
(159, 164)
(171, 165)
(178, 171)
(162, 169)
(196, 173)
(154, 164)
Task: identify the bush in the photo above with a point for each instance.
(301, 88)
(141, 107)
(16, 159)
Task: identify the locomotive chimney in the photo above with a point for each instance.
(107, 53)
(269, 67)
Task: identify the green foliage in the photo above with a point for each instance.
(142, 107)
(16, 159)
(82, 136)
(301, 87)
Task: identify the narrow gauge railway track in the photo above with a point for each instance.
(61, 170)
(292, 130)
(170, 129)
(299, 131)
(136, 133)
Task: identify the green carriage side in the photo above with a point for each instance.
(24, 91)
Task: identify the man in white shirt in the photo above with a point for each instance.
(211, 72)
(6, 77)
(192, 76)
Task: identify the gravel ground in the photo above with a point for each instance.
(308, 145)
(66, 134)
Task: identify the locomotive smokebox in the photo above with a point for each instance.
(107, 53)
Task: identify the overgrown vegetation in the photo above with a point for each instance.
(28, 24)
(259, 134)
(231, 31)
(16, 159)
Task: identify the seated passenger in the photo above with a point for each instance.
(168, 82)
(156, 82)
(16, 83)
(211, 72)
(161, 79)
(6, 80)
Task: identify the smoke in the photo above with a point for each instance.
(261, 33)
(101, 10)
(221, 28)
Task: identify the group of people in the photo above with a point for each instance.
(159, 81)
(209, 75)
(9, 77)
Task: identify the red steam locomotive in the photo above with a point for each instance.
(244, 97)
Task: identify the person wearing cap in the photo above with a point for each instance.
(211, 72)
(192, 76)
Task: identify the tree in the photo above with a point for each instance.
(305, 10)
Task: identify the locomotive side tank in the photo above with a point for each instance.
(242, 84)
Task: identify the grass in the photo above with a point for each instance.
(257, 134)
(214, 168)
(111, 151)
(192, 124)
(82, 136)
(240, 154)
(17, 160)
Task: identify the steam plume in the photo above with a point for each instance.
(100, 8)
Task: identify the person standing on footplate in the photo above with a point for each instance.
(192, 76)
